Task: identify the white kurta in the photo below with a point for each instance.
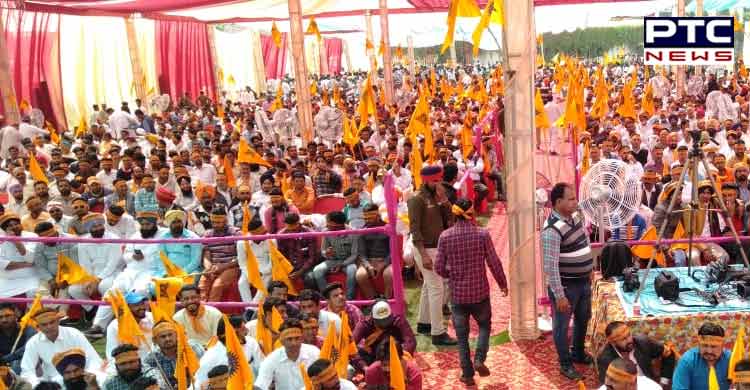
(209, 321)
(277, 368)
(261, 252)
(19, 281)
(113, 341)
(39, 349)
(124, 228)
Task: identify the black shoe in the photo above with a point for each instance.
(570, 373)
(468, 381)
(481, 369)
(446, 310)
(444, 340)
(67, 321)
(585, 359)
(94, 333)
(424, 328)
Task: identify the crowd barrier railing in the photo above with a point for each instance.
(397, 302)
(696, 240)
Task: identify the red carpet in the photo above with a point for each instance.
(523, 365)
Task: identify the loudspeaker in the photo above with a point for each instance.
(667, 286)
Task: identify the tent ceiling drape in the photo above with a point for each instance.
(222, 11)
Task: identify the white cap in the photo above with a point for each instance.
(381, 310)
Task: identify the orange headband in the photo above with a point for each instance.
(324, 376)
(162, 328)
(290, 332)
(7, 309)
(468, 214)
(276, 197)
(619, 375)
(712, 340)
(47, 315)
(742, 377)
(127, 357)
(618, 334)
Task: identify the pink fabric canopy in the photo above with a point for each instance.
(274, 58)
(183, 58)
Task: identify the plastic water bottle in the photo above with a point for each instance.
(636, 309)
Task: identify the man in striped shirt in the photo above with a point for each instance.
(568, 263)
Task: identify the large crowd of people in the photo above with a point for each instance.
(238, 166)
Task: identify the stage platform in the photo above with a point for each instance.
(662, 320)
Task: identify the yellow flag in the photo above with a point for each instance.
(312, 28)
(248, 155)
(173, 270)
(158, 314)
(738, 352)
(128, 330)
(463, 8)
(541, 119)
(351, 132)
(581, 385)
(281, 268)
(325, 98)
(263, 334)
(398, 380)
(713, 380)
(220, 74)
(240, 373)
(366, 106)
(416, 162)
(647, 102)
(484, 22)
(231, 81)
(497, 12)
(27, 318)
(330, 348)
(381, 48)
(305, 378)
(253, 271)
(420, 124)
(187, 363)
(69, 271)
(347, 347)
(166, 290)
(83, 127)
(277, 103)
(313, 88)
(24, 106)
(679, 233)
(399, 52)
(644, 251)
(35, 170)
(737, 26)
(276, 35)
(586, 155)
(229, 172)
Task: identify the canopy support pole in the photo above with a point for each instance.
(387, 58)
(304, 107)
(680, 75)
(410, 42)
(7, 90)
(519, 48)
(135, 60)
(371, 52)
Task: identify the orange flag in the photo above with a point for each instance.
(231, 181)
(36, 170)
(173, 270)
(128, 330)
(27, 318)
(248, 155)
(52, 133)
(187, 363)
(71, 272)
(281, 268)
(166, 290)
(398, 380)
(305, 378)
(276, 35)
(241, 375)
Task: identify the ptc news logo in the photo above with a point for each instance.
(688, 40)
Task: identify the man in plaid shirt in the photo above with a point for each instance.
(462, 252)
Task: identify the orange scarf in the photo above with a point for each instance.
(195, 320)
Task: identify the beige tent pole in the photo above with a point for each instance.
(372, 53)
(304, 108)
(215, 62)
(387, 59)
(7, 90)
(135, 59)
(680, 75)
(518, 47)
(410, 42)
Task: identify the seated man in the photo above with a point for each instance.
(200, 321)
(640, 349)
(339, 255)
(51, 340)
(273, 216)
(164, 355)
(18, 276)
(354, 209)
(266, 318)
(73, 369)
(282, 366)
(220, 260)
(375, 256)
(185, 256)
(104, 261)
(9, 333)
(336, 303)
(742, 375)
(261, 250)
(217, 354)
(377, 327)
(10, 379)
(137, 303)
(693, 368)
(119, 223)
(323, 375)
(309, 302)
(129, 368)
(301, 252)
(45, 257)
(622, 374)
(377, 375)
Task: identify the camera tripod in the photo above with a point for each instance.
(695, 157)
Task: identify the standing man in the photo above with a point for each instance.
(695, 366)
(567, 265)
(429, 215)
(463, 250)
